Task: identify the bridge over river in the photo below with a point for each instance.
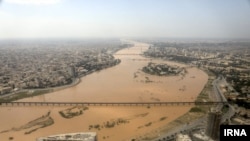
(26, 104)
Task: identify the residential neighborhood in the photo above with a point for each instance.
(33, 65)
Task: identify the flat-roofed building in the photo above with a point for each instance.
(183, 137)
(81, 136)
(5, 90)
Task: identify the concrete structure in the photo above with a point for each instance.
(200, 137)
(183, 137)
(213, 125)
(17, 103)
(5, 90)
(81, 136)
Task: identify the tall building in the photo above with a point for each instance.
(213, 124)
(82, 136)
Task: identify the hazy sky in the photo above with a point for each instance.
(124, 18)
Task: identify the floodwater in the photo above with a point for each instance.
(122, 83)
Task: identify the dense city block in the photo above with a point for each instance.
(38, 64)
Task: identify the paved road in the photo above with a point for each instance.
(220, 95)
(198, 123)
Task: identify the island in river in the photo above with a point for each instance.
(116, 84)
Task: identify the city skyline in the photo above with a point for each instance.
(120, 18)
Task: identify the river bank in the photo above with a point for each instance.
(26, 93)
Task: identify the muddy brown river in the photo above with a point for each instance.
(122, 83)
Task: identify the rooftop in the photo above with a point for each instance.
(81, 136)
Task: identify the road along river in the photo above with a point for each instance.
(122, 83)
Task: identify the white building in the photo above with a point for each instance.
(201, 137)
(81, 136)
(182, 137)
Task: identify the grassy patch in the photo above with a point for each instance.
(22, 95)
(196, 109)
(72, 112)
(225, 109)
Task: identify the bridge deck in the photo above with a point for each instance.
(14, 104)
